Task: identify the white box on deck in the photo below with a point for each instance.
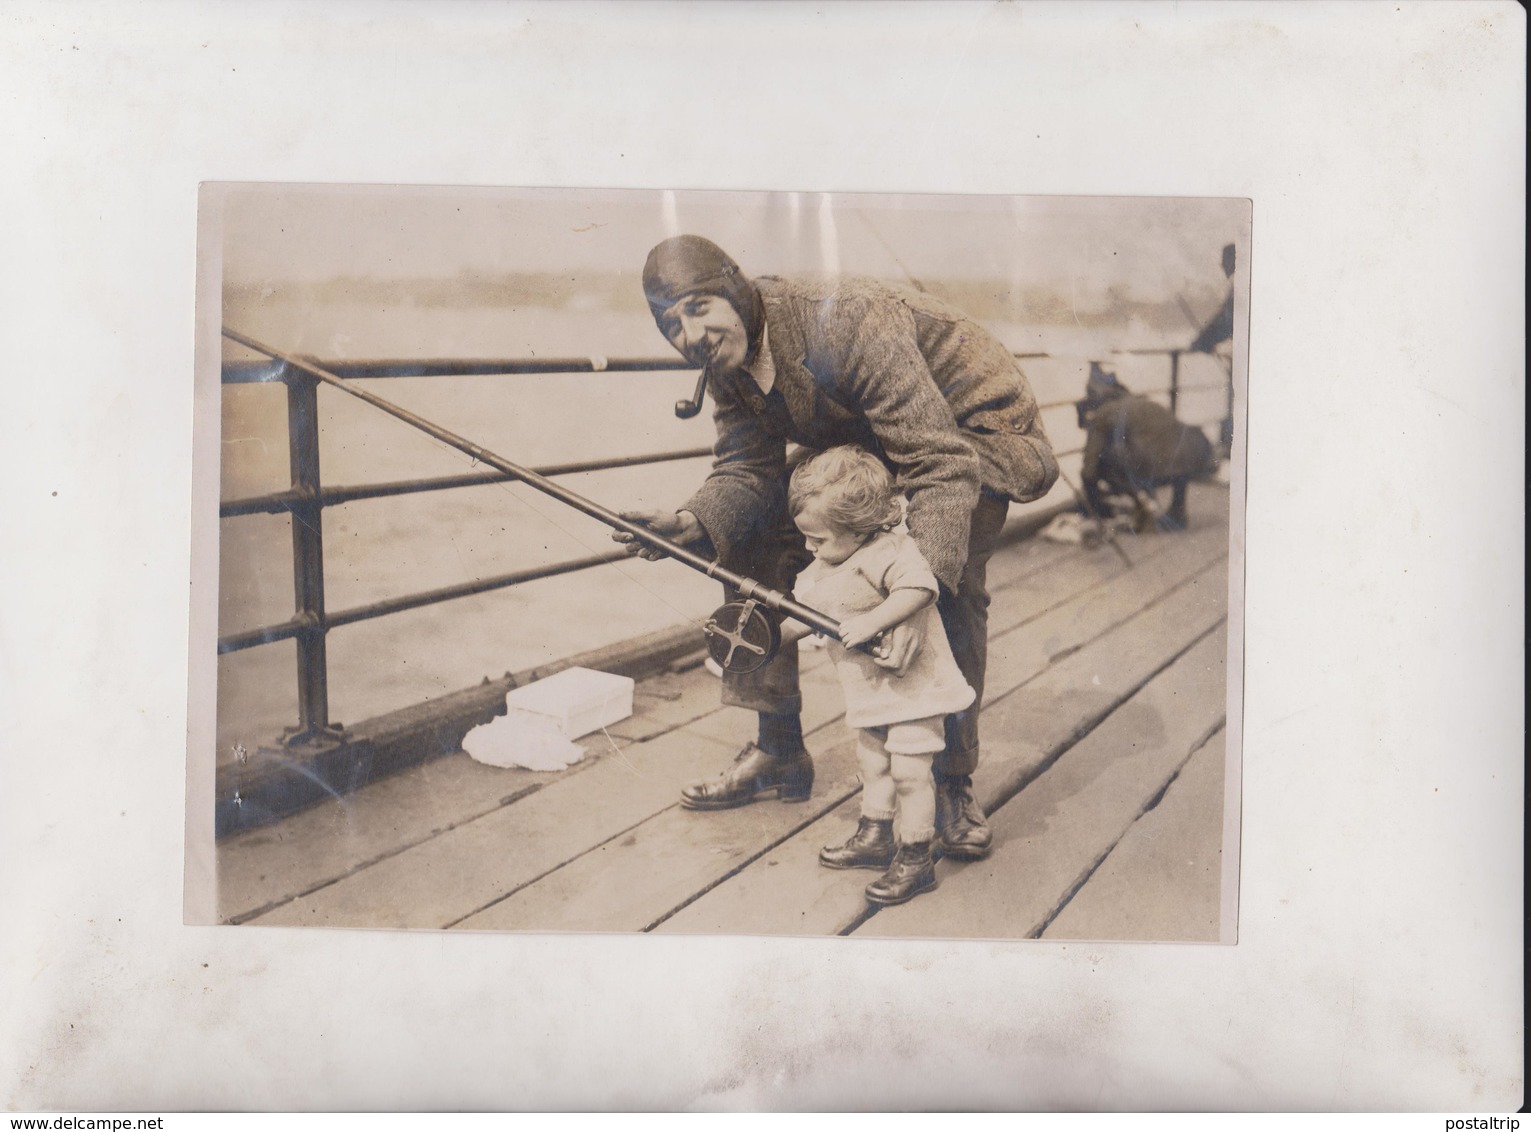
(579, 700)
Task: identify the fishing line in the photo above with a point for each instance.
(616, 750)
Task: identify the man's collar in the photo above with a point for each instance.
(763, 368)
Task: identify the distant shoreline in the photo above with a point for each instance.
(616, 292)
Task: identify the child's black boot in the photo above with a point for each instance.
(870, 847)
(912, 872)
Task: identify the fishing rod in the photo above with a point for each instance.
(740, 635)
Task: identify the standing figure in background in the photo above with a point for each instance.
(1216, 338)
(822, 362)
(1133, 445)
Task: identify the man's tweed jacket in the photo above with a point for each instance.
(903, 374)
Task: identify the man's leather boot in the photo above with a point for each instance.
(754, 773)
(961, 832)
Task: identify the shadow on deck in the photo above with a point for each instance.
(1103, 774)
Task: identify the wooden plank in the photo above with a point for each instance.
(787, 892)
(822, 706)
(1080, 569)
(266, 867)
(672, 859)
(676, 856)
(273, 864)
(680, 699)
(1016, 561)
(337, 840)
(1019, 653)
(436, 883)
(1163, 881)
(1053, 835)
(667, 702)
(1072, 696)
(626, 884)
(1064, 581)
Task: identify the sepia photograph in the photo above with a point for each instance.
(660, 556)
(769, 563)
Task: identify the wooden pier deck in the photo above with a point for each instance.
(1104, 730)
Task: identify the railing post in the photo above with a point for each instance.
(307, 557)
(1225, 430)
(1174, 380)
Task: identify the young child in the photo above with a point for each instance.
(870, 578)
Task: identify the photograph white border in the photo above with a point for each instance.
(1379, 958)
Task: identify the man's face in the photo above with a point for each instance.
(707, 331)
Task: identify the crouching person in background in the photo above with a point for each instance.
(1134, 445)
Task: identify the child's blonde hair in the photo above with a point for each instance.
(852, 487)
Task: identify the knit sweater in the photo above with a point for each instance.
(903, 374)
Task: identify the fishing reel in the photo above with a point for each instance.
(742, 636)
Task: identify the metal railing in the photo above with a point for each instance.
(307, 497)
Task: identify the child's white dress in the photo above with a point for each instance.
(877, 696)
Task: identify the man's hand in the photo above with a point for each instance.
(899, 647)
(677, 526)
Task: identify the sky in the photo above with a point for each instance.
(1152, 248)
